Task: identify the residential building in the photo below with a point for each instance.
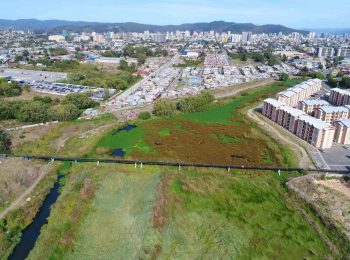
(57, 38)
(287, 117)
(342, 132)
(271, 107)
(315, 132)
(339, 97)
(332, 114)
(293, 96)
(325, 52)
(311, 105)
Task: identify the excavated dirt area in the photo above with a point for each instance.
(331, 198)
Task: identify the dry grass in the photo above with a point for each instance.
(29, 136)
(17, 176)
(190, 141)
(31, 94)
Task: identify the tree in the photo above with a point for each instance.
(164, 108)
(81, 101)
(65, 112)
(258, 57)
(196, 103)
(35, 112)
(345, 82)
(243, 56)
(144, 115)
(320, 66)
(5, 142)
(273, 60)
(331, 81)
(283, 76)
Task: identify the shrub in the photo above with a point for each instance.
(195, 103)
(35, 112)
(144, 115)
(283, 76)
(81, 101)
(5, 142)
(65, 112)
(164, 108)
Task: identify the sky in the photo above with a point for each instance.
(293, 13)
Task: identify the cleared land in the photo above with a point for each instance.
(17, 178)
(329, 197)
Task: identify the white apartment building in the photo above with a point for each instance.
(332, 114)
(287, 117)
(293, 96)
(315, 132)
(270, 108)
(342, 132)
(310, 106)
(339, 97)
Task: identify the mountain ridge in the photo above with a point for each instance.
(80, 26)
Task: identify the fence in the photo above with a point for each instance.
(177, 164)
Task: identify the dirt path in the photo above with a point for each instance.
(230, 91)
(45, 169)
(305, 160)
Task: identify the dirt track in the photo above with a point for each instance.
(304, 161)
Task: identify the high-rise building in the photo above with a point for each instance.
(159, 37)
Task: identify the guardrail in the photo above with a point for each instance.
(177, 164)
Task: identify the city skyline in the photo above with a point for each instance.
(301, 14)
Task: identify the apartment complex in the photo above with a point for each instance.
(288, 118)
(314, 131)
(342, 132)
(310, 106)
(292, 96)
(339, 97)
(332, 114)
(271, 107)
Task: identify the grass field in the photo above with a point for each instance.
(119, 212)
(158, 213)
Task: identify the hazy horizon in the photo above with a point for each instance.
(297, 14)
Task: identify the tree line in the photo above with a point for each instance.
(46, 109)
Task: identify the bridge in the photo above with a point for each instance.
(176, 164)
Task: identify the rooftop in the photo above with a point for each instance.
(312, 102)
(294, 112)
(334, 109)
(315, 122)
(345, 123)
(341, 91)
(274, 102)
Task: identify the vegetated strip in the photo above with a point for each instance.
(179, 164)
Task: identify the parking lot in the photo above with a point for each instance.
(32, 75)
(65, 89)
(337, 157)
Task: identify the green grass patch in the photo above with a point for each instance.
(129, 141)
(227, 139)
(235, 216)
(164, 132)
(224, 114)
